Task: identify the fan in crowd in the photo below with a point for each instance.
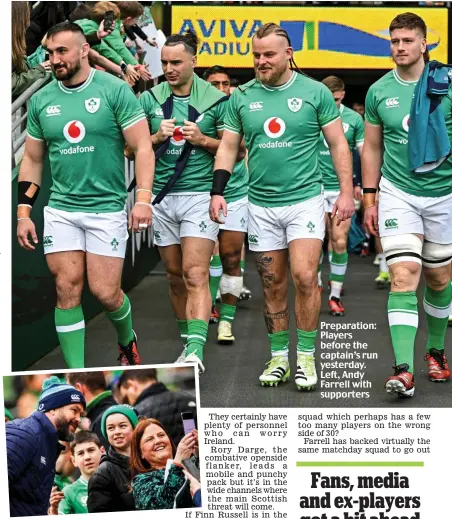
(160, 482)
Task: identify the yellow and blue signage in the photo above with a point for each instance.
(322, 37)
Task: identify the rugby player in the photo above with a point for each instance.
(281, 114)
(414, 209)
(353, 126)
(185, 115)
(83, 119)
(227, 260)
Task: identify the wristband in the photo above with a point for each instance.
(369, 190)
(143, 196)
(23, 212)
(220, 180)
(27, 193)
(123, 67)
(369, 200)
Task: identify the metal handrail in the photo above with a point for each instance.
(25, 96)
(20, 104)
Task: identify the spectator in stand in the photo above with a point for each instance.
(22, 76)
(32, 447)
(28, 399)
(130, 14)
(141, 388)
(109, 487)
(93, 387)
(160, 481)
(43, 16)
(92, 24)
(86, 452)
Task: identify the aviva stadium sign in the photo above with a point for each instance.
(326, 37)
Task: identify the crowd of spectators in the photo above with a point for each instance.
(118, 49)
(107, 454)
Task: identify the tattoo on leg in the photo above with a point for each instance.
(270, 318)
(263, 265)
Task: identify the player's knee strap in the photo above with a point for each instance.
(435, 255)
(231, 285)
(404, 247)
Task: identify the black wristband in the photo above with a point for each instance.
(220, 180)
(123, 67)
(369, 190)
(27, 193)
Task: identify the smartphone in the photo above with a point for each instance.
(191, 468)
(109, 18)
(188, 422)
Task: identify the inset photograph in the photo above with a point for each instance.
(102, 441)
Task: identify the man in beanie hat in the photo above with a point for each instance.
(32, 446)
(109, 487)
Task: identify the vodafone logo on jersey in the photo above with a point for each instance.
(406, 122)
(74, 131)
(274, 127)
(178, 138)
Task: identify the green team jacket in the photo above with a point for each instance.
(112, 47)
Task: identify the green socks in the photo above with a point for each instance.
(70, 327)
(122, 321)
(197, 336)
(338, 268)
(215, 270)
(242, 266)
(183, 330)
(279, 343)
(306, 341)
(403, 323)
(227, 312)
(437, 307)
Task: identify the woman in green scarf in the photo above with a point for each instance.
(160, 482)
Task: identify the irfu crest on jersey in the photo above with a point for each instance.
(92, 105)
(345, 126)
(294, 104)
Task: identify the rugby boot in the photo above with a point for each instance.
(128, 355)
(401, 383)
(278, 370)
(438, 369)
(214, 315)
(225, 333)
(306, 376)
(336, 307)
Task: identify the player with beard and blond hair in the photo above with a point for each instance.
(281, 114)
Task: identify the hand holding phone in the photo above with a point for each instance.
(188, 421)
(109, 18)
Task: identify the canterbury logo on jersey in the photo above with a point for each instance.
(392, 102)
(252, 238)
(256, 106)
(391, 223)
(53, 110)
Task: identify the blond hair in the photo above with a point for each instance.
(334, 84)
(101, 8)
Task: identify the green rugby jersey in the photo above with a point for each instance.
(388, 104)
(83, 130)
(198, 173)
(75, 498)
(281, 126)
(353, 126)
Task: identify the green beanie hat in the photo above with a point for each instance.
(128, 411)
